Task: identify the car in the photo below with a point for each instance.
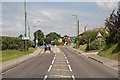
(47, 47)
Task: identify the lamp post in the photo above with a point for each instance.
(77, 29)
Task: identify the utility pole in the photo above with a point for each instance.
(29, 31)
(25, 42)
(77, 29)
(78, 33)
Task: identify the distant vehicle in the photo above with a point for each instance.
(47, 47)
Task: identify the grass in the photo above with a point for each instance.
(12, 54)
(83, 47)
(109, 52)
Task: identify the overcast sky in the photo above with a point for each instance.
(54, 16)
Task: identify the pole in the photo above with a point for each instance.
(100, 44)
(29, 31)
(78, 33)
(25, 43)
(89, 43)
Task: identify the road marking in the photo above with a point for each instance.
(70, 67)
(59, 70)
(45, 77)
(59, 62)
(73, 77)
(53, 61)
(65, 76)
(67, 61)
(49, 68)
(60, 65)
(54, 58)
(65, 57)
(60, 76)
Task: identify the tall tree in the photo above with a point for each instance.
(113, 25)
(53, 36)
(38, 35)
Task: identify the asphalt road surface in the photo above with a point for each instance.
(65, 64)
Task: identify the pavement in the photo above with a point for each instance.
(14, 62)
(93, 55)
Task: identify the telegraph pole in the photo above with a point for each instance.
(25, 42)
(77, 29)
(78, 33)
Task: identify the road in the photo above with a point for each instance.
(64, 64)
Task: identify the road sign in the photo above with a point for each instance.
(25, 38)
(99, 35)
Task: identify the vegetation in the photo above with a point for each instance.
(110, 43)
(89, 38)
(111, 51)
(10, 43)
(52, 38)
(38, 35)
(83, 47)
(12, 54)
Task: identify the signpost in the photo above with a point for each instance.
(99, 37)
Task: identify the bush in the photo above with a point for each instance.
(94, 45)
(13, 43)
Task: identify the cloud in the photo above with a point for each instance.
(107, 5)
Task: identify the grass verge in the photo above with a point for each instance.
(12, 54)
(109, 52)
(83, 47)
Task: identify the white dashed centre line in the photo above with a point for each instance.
(67, 61)
(73, 77)
(45, 77)
(53, 61)
(49, 68)
(69, 67)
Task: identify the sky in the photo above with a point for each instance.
(54, 16)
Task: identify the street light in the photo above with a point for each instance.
(77, 28)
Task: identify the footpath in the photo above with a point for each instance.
(108, 62)
(12, 63)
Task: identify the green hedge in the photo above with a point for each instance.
(10, 43)
(94, 45)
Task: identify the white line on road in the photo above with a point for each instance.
(45, 77)
(59, 70)
(73, 77)
(49, 68)
(60, 65)
(70, 67)
(53, 61)
(67, 61)
(54, 58)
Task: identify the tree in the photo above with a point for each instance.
(113, 25)
(38, 35)
(20, 36)
(52, 37)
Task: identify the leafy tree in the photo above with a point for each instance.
(20, 36)
(113, 25)
(38, 35)
(52, 37)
